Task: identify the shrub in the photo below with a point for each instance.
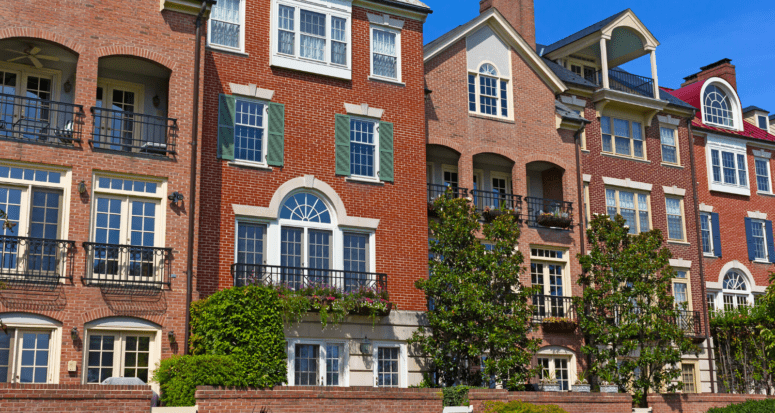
(517, 406)
(178, 376)
(750, 406)
(455, 396)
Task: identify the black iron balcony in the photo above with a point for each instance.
(494, 200)
(545, 306)
(118, 130)
(297, 278)
(690, 323)
(39, 120)
(127, 266)
(26, 260)
(627, 82)
(549, 213)
(436, 191)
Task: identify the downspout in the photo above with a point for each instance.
(580, 188)
(700, 254)
(194, 149)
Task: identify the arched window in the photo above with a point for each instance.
(735, 290)
(488, 92)
(717, 107)
(307, 208)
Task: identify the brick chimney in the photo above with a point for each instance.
(519, 13)
(723, 69)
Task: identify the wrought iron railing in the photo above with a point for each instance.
(493, 200)
(300, 277)
(435, 191)
(627, 82)
(549, 213)
(119, 130)
(119, 265)
(545, 306)
(690, 322)
(39, 120)
(25, 260)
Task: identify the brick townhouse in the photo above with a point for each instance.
(733, 151)
(312, 171)
(636, 155)
(497, 134)
(95, 127)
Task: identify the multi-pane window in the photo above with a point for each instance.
(318, 364)
(762, 167)
(388, 360)
(450, 178)
(226, 24)
(249, 130)
(556, 367)
(759, 240)
(313, 35)
(669, 145)
(119, 354)
(711, 297)
(735, 290)
(688, 378)
(305, 33)
(622, 137)
(363, 147)
(675, 221)
(717, 107)
(356, 259)
(488, 92)
(286, 38)
(681, 290)
(305, 365)
(25, 356)
(339, 41)
(706, 230)
(729, 168)
(632, 206)
(385, 53)
(547, 269)
(251, 243)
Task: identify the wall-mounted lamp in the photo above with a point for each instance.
(365, 346)
(175, 198)
(67, 87)
(428, 95)
(156, 101)
(82, 187)
(74, 333)
(171, 336)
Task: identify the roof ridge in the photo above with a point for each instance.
(549, 47)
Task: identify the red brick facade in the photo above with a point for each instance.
(570, 402)
(696, 403)
(74, 398)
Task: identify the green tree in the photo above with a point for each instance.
(478, 306)
(628, 313)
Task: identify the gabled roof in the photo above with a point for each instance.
(753, 108)
(584, 32)
(567, 76)
(495, 20)
(566, 113)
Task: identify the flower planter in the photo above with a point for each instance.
(551, 220)
(489, 215)
(581, 388)
(561, 326)
(549, 387)
(608, 388)
(364, 310)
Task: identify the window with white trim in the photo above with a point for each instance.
(26, 355)
(556, 367)
(227, 25)
(317, 363)
(488, 92)
(390, 369)
(364, 144)
(763, 183)
(717, 107)
(548, 272)
(729, 168)
(632, 206)
(669, 139)
(759, 238)
(706, 231)
(385, 53)
(675, 218)
(682, 292)
(250, 137)
(622, 137)
(735, 291)
(119, 354)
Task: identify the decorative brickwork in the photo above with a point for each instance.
(74, 398)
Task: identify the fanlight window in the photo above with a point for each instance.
(306, 208)
(735, 291)
(734, 281)
(717, 108)
(488, 69)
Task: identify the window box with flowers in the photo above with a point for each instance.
(333, 303)
(558, 325)
(557, 219)
(489, 215)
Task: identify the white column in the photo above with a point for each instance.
(604, 61)
(654, 72)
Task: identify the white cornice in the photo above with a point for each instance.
(363, 110)
(757, 215)
(251, 90)
(680, 263)
(668, 120)
(627, 183)
(385, 20)
(706, 208)
(674, 190)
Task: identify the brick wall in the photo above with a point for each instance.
(696, 403)
(571, 402)
(318, 400)
(74, 398)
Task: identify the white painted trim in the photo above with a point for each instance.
(762, 154)
(736, 110)
(363, 110)
(674, 190)
(122, 323)
(403, 373)
(680, 263)
(385, 20)
(627, 183)
(345, 360)
(669, 120)
(241, 48)
(251, 90)
(757, 215)
(399, 60)
(705, 208)
(573, 100)
(587, 177)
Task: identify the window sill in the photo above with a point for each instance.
(237, 52)
(709, 256)
(629, 158)
(672, 165)
(311, 66)
(248, 164)
(729, 189)
(490, 117)
(387, 80)
(765, 193)
(761, 262)
(584, 150)
(364, 180)
(678, 242)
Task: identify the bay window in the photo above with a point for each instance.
(727, 165)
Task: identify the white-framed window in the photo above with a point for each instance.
(763, 182)
(119, 354)
(622, 137)
(633, 206)
(318, 363)
(390, 365)
(682, 290)
(556, 367)
(312, 36)
(711, 298)
(25, 117)
(587, 213)
(450, 176)
(759, 240)
(548, 271)
(364, 148)
(689, 377)
(251, 242)
(30, 349)
(675, 218)
(727, 165)
(669, 139)
(488, 92)
(706, 232)
(385, 53)
(251, 118)
(717, 107)
(735, 291)
(227, 25)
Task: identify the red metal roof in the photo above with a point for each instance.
(691, 95)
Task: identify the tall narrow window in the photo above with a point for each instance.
(488, 92)
(688, 378)
(313, 35)
(759, 240)
(706, 232)
(675, 224)
(363, 147)
(286, 39)
(669, 145)
(763, 175)
(226, 24)
(306, 365)
(387, 366)
(385, 53)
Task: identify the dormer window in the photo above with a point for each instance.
(717, 108)
(488, 92)
(762, 120)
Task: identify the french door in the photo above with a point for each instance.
(120, 129)
(25, 356)
(306, 256)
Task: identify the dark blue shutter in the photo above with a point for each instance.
(716, 234)
(749, 239)
(770, 245)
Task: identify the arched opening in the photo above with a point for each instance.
(37, 92)
(492, 187)
(120, 347)
(442, 173)
(130, 113)
(545, 200)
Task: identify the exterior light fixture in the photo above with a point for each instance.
(74, 333)
(428, 95)
(365, 346)
(175, 198)
(171, 336)
(67, 87)
(156, 101)
(82, 187)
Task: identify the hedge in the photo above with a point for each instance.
(750, 406)
(178, 376)
(517, 406)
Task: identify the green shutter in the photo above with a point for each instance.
(226, 104)
(342, 138)
(276, 143)
(386, 151)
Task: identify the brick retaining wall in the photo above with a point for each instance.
(74, 398)
(696, 403)
(571, 402)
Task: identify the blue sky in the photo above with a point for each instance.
(690, 36)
